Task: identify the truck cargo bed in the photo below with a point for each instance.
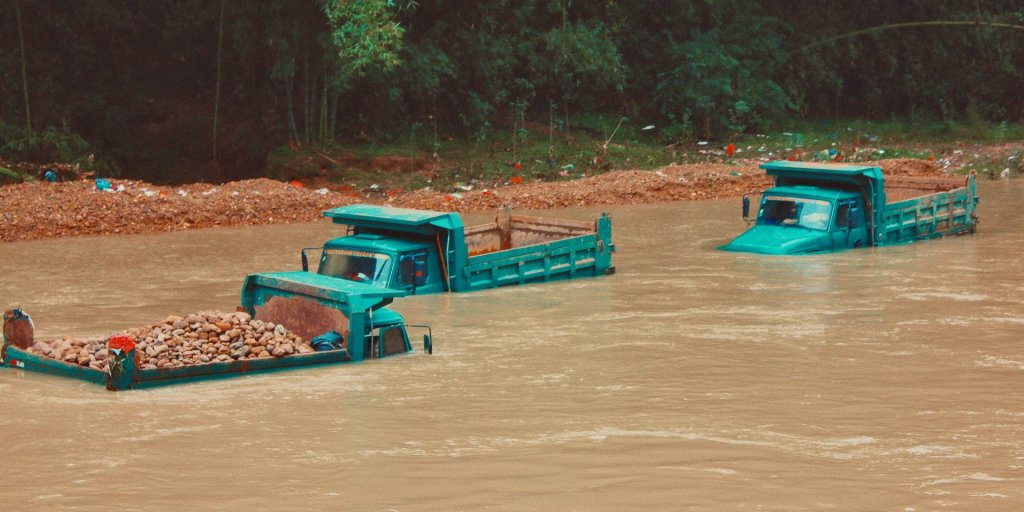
(134, 378)
(923, 208)
(519, 249)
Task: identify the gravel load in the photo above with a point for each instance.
(199, 338)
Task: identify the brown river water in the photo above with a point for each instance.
(887, 379)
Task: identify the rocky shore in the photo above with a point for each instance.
(30, 211)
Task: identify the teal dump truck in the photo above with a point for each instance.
(818, 207)
(421, 252)
(345, 322)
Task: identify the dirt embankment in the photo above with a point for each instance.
(31, 211)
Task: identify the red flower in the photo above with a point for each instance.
(121, 342)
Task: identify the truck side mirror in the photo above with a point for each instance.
(428, 338)
(746, 207)
(305, 259)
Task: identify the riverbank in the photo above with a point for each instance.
(30, 211)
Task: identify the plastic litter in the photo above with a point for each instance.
(102, 184)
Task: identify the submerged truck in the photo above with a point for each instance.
(344, 321)
(421, 252)
(817, 207)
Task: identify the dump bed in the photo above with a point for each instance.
(923, 208)
(122, 366)
(519, 249)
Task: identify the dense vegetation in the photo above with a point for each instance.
(173, 90)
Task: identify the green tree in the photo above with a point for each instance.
(723, 76)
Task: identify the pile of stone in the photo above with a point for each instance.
(199, 338)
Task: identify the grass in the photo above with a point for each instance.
(597, 145)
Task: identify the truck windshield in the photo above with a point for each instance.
(360, 266)
(795, 211)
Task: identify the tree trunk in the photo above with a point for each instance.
(333, 126)
(24, 70)
(216, 96)
(289, 92)
(305, 94)
(323, 111)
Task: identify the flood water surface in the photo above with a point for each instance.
(692, 379)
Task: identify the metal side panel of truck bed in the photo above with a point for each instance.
(933, 215)
(580, 256)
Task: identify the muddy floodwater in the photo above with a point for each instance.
(884, 379)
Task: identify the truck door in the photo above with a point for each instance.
(848, 231)
(412, 269)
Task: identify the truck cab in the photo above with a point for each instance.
(386, 262)
(804, 219)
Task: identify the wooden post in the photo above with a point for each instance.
(504, 222)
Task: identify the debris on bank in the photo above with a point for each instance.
(31, 211)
